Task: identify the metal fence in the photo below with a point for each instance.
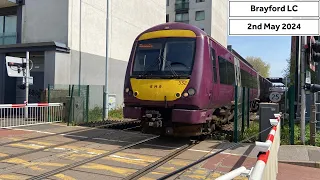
(84, 103)
(13, 115)
(241, 112)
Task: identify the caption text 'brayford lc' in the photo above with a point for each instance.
(287, 8)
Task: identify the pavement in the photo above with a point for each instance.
(41, 151)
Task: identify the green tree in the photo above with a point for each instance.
(289, 70)
(259, 65)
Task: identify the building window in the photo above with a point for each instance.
(182, 17)
(167, 18)
(200, 15)
(167, 2)
(8, 30)
(200, 1)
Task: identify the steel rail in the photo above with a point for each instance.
(68, 132)
(207, 157)
(156, 164)
(52, 146)
(79, 163)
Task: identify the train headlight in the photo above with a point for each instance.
(127, 90)
(191, 91)
(135, 94)
(185, 94)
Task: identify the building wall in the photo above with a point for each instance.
(219, 19)
(203, 24)
(216, 17)
(87, 38)
(45, 20)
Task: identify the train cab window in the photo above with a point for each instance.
(214, 66)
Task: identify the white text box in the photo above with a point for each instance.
(273, 27)
(272, 9)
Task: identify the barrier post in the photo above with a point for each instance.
(235, 124)
(48, 102)
(248, 107)
(243, 103)
(291, 113)
(70, 106)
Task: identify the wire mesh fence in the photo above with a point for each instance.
(83, 103)
(241, 122)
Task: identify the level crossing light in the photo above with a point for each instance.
(316, 51)
(312, 87)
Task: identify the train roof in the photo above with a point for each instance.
(174, 25)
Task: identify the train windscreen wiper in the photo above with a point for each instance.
(168, 64)
(145, 71)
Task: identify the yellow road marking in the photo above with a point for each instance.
(32, 165)
(3, 155)
(64, 177)
(145, 178)
(10, 177)
(75, 156)
(118, 170)
(88, 150)
(28, 146)
(138, 156)
(128, 161)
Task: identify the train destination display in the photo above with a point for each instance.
(274, 18)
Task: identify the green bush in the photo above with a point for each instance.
(285, 135)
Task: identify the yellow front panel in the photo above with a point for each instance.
(157, 89)
(167, 33)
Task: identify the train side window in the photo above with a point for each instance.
(214, 65)
(223, 70)
(226, 71)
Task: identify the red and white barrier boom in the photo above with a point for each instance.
(267, 164)
(266, 168)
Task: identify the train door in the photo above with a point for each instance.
(238, 77)
(215, 89)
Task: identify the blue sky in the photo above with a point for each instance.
(272, 49)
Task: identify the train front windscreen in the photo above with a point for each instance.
(164, 58)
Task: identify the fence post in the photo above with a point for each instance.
(235, 124)
(243, 103)
(48, 102)
(70, 106)
(87, 103)
(248, 108)
(291, 113)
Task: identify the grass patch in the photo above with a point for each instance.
(285, 135)
(96, 114)
(252, 131)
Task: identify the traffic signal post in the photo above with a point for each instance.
(19, 67)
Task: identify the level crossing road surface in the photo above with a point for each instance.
(30, 151)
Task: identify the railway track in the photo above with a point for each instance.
(140, 173)
(56, 145)
(79, 163)
(103, 124)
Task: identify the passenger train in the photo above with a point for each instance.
(180, 81)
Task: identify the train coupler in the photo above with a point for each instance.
(155, 123)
